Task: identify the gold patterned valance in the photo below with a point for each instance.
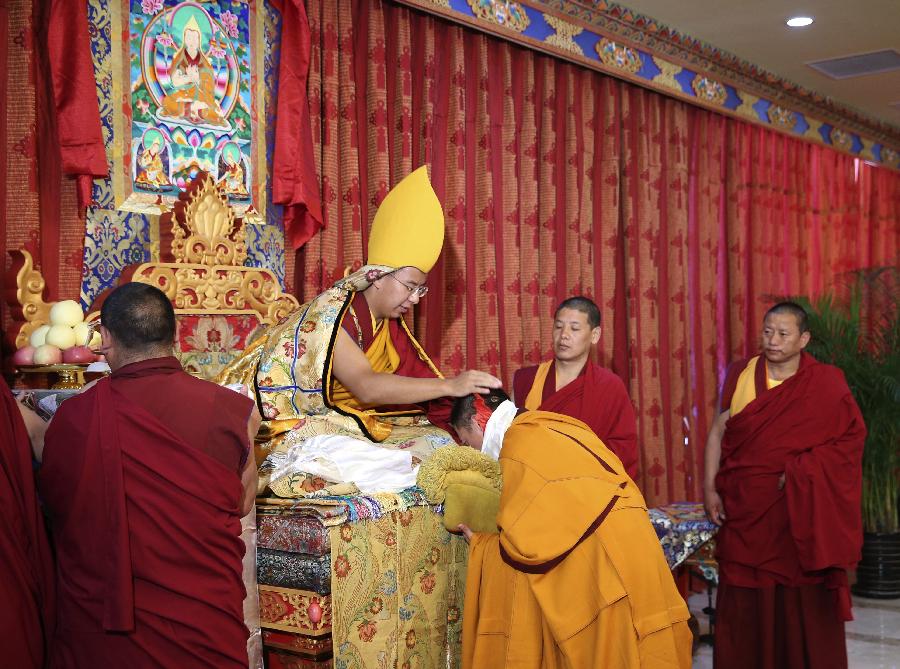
(610, 38)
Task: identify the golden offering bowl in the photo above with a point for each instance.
(69, 377)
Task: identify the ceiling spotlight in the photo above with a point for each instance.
(799, 21)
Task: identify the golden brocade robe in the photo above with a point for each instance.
(290, 369)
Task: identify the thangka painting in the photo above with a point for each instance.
(194, 102)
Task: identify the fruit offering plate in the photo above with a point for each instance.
(59, 367)
(69, 376)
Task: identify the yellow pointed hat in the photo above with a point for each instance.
(408, 230)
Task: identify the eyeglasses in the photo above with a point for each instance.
(93, 336)
(418, 291)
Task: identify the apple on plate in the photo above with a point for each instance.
(24, 356)
(77, 355)
(47, 355)
(39, 336)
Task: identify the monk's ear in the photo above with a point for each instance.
(107, 341)
(804, 339)
(595, 335)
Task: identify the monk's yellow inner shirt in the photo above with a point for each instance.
(383, 358)
(745, 390)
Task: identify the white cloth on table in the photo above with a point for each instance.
(339, 459)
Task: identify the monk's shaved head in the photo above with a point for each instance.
(139, 317)
(793, 309)
(585, 306)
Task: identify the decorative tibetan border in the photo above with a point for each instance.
(290, 610)
(616, 41)
(312, 647)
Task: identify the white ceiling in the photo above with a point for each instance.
(756, 32)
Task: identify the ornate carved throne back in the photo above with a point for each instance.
(220, 304)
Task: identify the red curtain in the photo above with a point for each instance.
(51, 124)
(293, 174)
(875, 240)
(682, 224)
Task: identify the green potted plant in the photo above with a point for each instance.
(857, 327)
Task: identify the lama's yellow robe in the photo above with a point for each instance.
(576, 578)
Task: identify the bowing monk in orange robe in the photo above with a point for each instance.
(26, 565)
(146, 476)
(575, 578)
(573, 385)
(784, 481)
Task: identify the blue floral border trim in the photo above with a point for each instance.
(614, 40)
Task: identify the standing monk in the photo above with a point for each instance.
(26, 566)
(784, 479)
(146, 476)
(573, 385)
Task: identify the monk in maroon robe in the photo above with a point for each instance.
(573, 385)
(784, 481)
(146, 476)
(359, 325)
(26, 565)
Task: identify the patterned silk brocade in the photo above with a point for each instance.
(294, 534)
(400, 581)
(682, 528)
(294, 570)
(397, 576)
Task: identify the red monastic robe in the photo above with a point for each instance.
(26, 565)
(783, 554)
(144, 501)
(358, 324)
(597, 397)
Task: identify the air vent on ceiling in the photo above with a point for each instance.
(859, 65)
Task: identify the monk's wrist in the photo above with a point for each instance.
(449, 387)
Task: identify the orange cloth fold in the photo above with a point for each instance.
(576, 576)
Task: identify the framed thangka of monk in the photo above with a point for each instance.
(192, 92)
